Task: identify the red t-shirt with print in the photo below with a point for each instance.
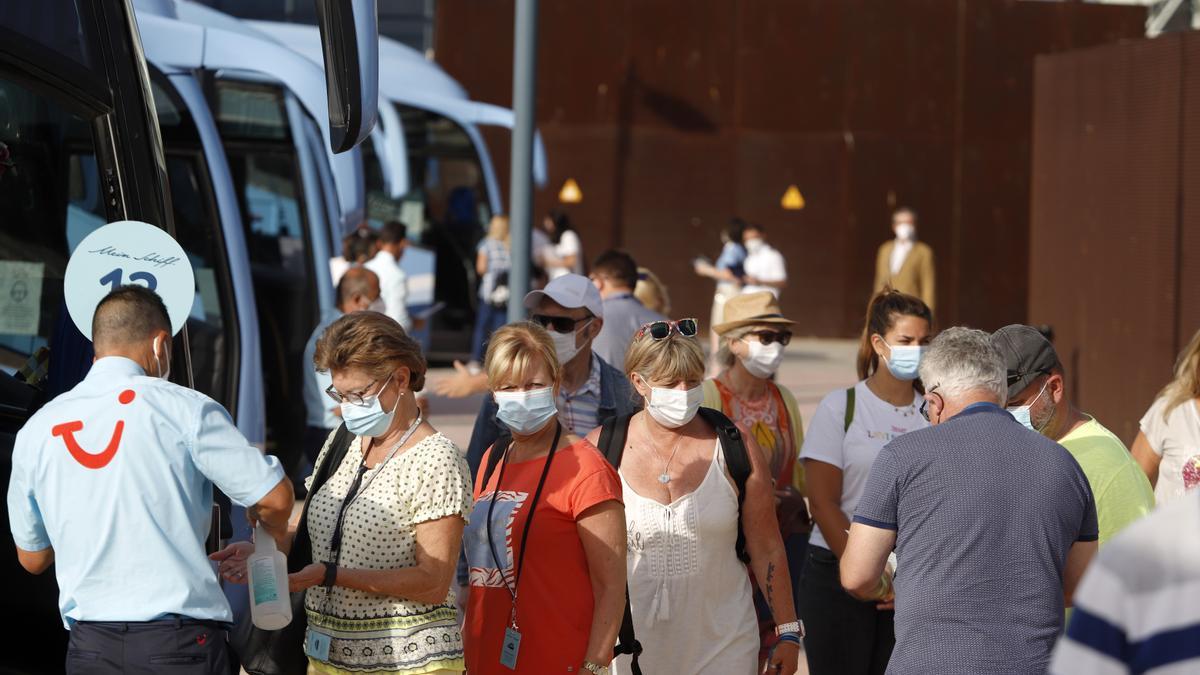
(554, 599)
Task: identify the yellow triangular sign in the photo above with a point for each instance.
(792, 199)
(570, 192)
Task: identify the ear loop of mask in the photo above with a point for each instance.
(158, 369)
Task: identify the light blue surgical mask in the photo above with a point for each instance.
(369, 419)
(905, 361)
(1024, 414)
(525, 412)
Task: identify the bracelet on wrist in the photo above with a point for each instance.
(790, 637)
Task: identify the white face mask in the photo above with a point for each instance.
(564, 343)
(674, 408)
(905, 231)
(158, 364)
(763, 360)
(377, 305)
(754, 245)
(525, 412)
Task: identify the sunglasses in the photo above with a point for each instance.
(768, 336)
(359, 397)
(661, 330)
(559, 324)
(925, 403)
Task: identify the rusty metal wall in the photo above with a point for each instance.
(674, 116)
(1110, 218)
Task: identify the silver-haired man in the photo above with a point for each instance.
(992, 525)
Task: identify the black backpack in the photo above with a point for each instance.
(613, 432)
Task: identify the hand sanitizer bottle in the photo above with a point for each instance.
(270, 604)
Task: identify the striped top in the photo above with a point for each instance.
(1136, 610)
(580, 409)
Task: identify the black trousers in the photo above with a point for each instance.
(845, 636)
(178, 646)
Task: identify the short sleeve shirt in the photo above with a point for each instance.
(554, 597)
(1120, 487)
(985, 513)
(853, 450)
(117, 476)
(371, 631)
(1175, 437)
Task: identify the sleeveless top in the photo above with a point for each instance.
(693, 610)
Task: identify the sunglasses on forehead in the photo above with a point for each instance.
(661, 330)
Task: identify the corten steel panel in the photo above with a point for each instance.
(1105, 215)
(1189, 240)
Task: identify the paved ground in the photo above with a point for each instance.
(811, 369)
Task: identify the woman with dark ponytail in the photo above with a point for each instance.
(845, 635)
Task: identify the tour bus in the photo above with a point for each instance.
(452, 190)
(80, 145)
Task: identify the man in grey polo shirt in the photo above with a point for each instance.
(615, 275)
(992, 525)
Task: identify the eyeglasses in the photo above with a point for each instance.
(357, 397)
(559, 324)
(661, 330)
(925, 403)
(768, 336)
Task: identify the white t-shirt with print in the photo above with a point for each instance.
(876, 422)
(1176, 440)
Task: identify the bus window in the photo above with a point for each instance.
(265, 170)
(55, 24)
(211, 338)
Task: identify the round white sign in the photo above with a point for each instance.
(122, 253)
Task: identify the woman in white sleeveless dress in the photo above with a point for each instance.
(690, 595)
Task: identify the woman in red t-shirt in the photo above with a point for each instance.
(545, 543)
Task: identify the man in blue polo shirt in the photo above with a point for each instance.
(112, 482)
(992, 525)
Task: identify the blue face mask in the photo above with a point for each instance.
(525, 412)
(905, 361)
(1024, 413)
(369, 419)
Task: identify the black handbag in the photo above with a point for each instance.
(281, 652)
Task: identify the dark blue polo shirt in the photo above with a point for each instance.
(985, 512)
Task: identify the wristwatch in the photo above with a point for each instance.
(796, 627)
(595, 669)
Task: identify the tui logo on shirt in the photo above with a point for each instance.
(99, 460)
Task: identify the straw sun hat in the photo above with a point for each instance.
(749, 309)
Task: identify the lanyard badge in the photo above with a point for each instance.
(511, 646)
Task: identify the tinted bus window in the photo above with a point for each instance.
(55, 24)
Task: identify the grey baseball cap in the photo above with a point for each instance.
(1027, 355)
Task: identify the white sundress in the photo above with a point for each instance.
(692, 604)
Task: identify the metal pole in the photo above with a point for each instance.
(521, 189)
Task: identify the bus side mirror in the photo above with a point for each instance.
(350, 44)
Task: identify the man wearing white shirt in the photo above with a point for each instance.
(393, 284)
(765, 268)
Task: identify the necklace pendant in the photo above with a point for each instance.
(664, 478)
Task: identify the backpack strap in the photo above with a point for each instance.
(849, 409)
(493, 458)
(613, 433)
(300, 554)
(737, 461)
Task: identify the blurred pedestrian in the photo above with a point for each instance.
(1038, 398)
(357, 248)
(765, 267)
(591, 391)
(904, 263)
(1168, 445)
(112, 484)
(393, 283)
(847, 432)
(358, 290)
(1135, 610)
(546, 541)
(754, 336)
(615, 275)
(728, 271)
(652, 292)
(386, 528)
(992, 525)
(492, 265)
(690, 595)
(564, 255)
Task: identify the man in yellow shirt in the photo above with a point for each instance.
(1037, 397)
(904, 263)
